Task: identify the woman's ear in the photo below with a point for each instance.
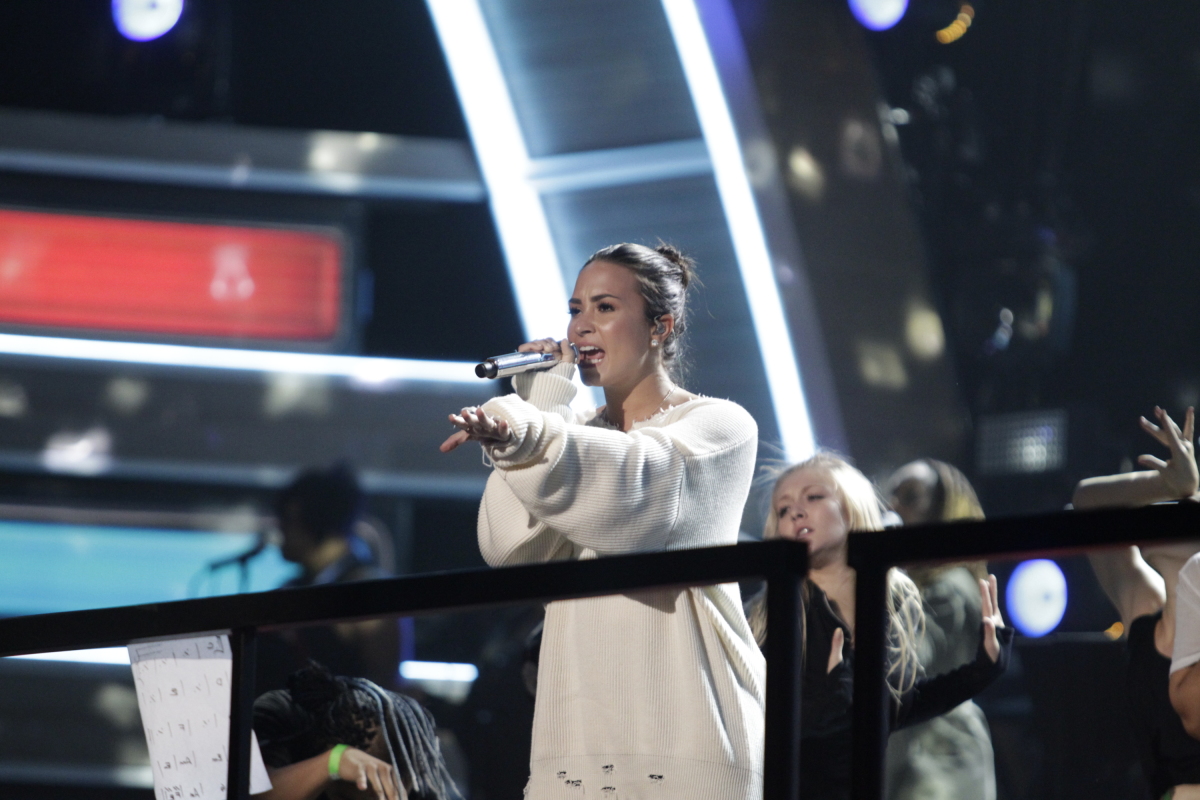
(664, 324)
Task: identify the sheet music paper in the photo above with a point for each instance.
(183, 691)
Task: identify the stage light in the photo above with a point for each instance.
(745, 229)
(1036, 597)
(358, 368)
(499, 144)
(1022, 443)
(143, 20)
(438, 671)
(102, 655)
(533, 267)
(955, 30)
(878, 15)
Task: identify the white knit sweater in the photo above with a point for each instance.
(653, 694)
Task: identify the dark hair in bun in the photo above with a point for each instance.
(663, 273)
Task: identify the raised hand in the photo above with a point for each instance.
(370, 773)
(1178, 473)
(474, 424)
(992, 620)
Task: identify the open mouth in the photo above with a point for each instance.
(590, 355)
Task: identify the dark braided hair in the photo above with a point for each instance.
(663, 275)
(319, 710)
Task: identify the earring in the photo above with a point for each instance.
(654, 342)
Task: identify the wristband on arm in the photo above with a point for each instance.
(335, 760)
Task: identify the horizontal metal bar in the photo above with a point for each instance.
(468, 589)
(1061, 532)
(363, 164)
(599, 169)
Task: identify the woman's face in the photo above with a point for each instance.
(807, 509)
(911, 490)
(609, 327)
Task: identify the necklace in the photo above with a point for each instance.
(657, 408)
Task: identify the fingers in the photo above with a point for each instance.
(835, 649)
(1173, 432)
(540, 346)
(475, 424)
(457, 438)
(985, 599)
(568, 352)
(1158, 433)
(1189, 426)
(994, 586)
(991, 644)
(376, 782)
(1152, 462)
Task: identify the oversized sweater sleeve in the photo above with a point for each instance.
(507, 533)
(610, 491)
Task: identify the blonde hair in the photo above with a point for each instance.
(863, 507)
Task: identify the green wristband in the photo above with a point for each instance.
(335, 760)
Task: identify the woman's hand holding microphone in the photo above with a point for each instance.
(474, 424)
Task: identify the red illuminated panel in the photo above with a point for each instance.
(168, 277)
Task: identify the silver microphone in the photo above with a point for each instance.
(512, 363)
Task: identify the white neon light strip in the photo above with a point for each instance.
(504, 161)
(361, 368)
(438, 671)
(102, 655)
(745, 228)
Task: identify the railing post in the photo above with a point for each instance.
(781, 761)
(241, 712)
(870, 684)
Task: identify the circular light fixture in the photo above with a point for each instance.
(1036, 596)
(143, 20)
(878, 15)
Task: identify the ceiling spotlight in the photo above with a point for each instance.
(143, 20)
(878, 15)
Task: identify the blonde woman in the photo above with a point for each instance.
(820, 501)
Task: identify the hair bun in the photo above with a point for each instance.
(687, 267)
(313, 688)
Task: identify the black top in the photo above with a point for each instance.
(1169, 756)
(827, 697)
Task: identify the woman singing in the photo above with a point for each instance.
(656, 693)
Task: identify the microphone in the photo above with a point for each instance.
(513, 363)
(241, 558)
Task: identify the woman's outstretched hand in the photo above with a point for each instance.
(992, 620)
(835, 650)
(1178, 473)
(474, 424)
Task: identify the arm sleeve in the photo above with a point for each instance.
(550, 390)
(508, 535)
(937, 695)
(611, 491)
(1187, 616)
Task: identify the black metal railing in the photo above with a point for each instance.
(873, 554)
(782, 565)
